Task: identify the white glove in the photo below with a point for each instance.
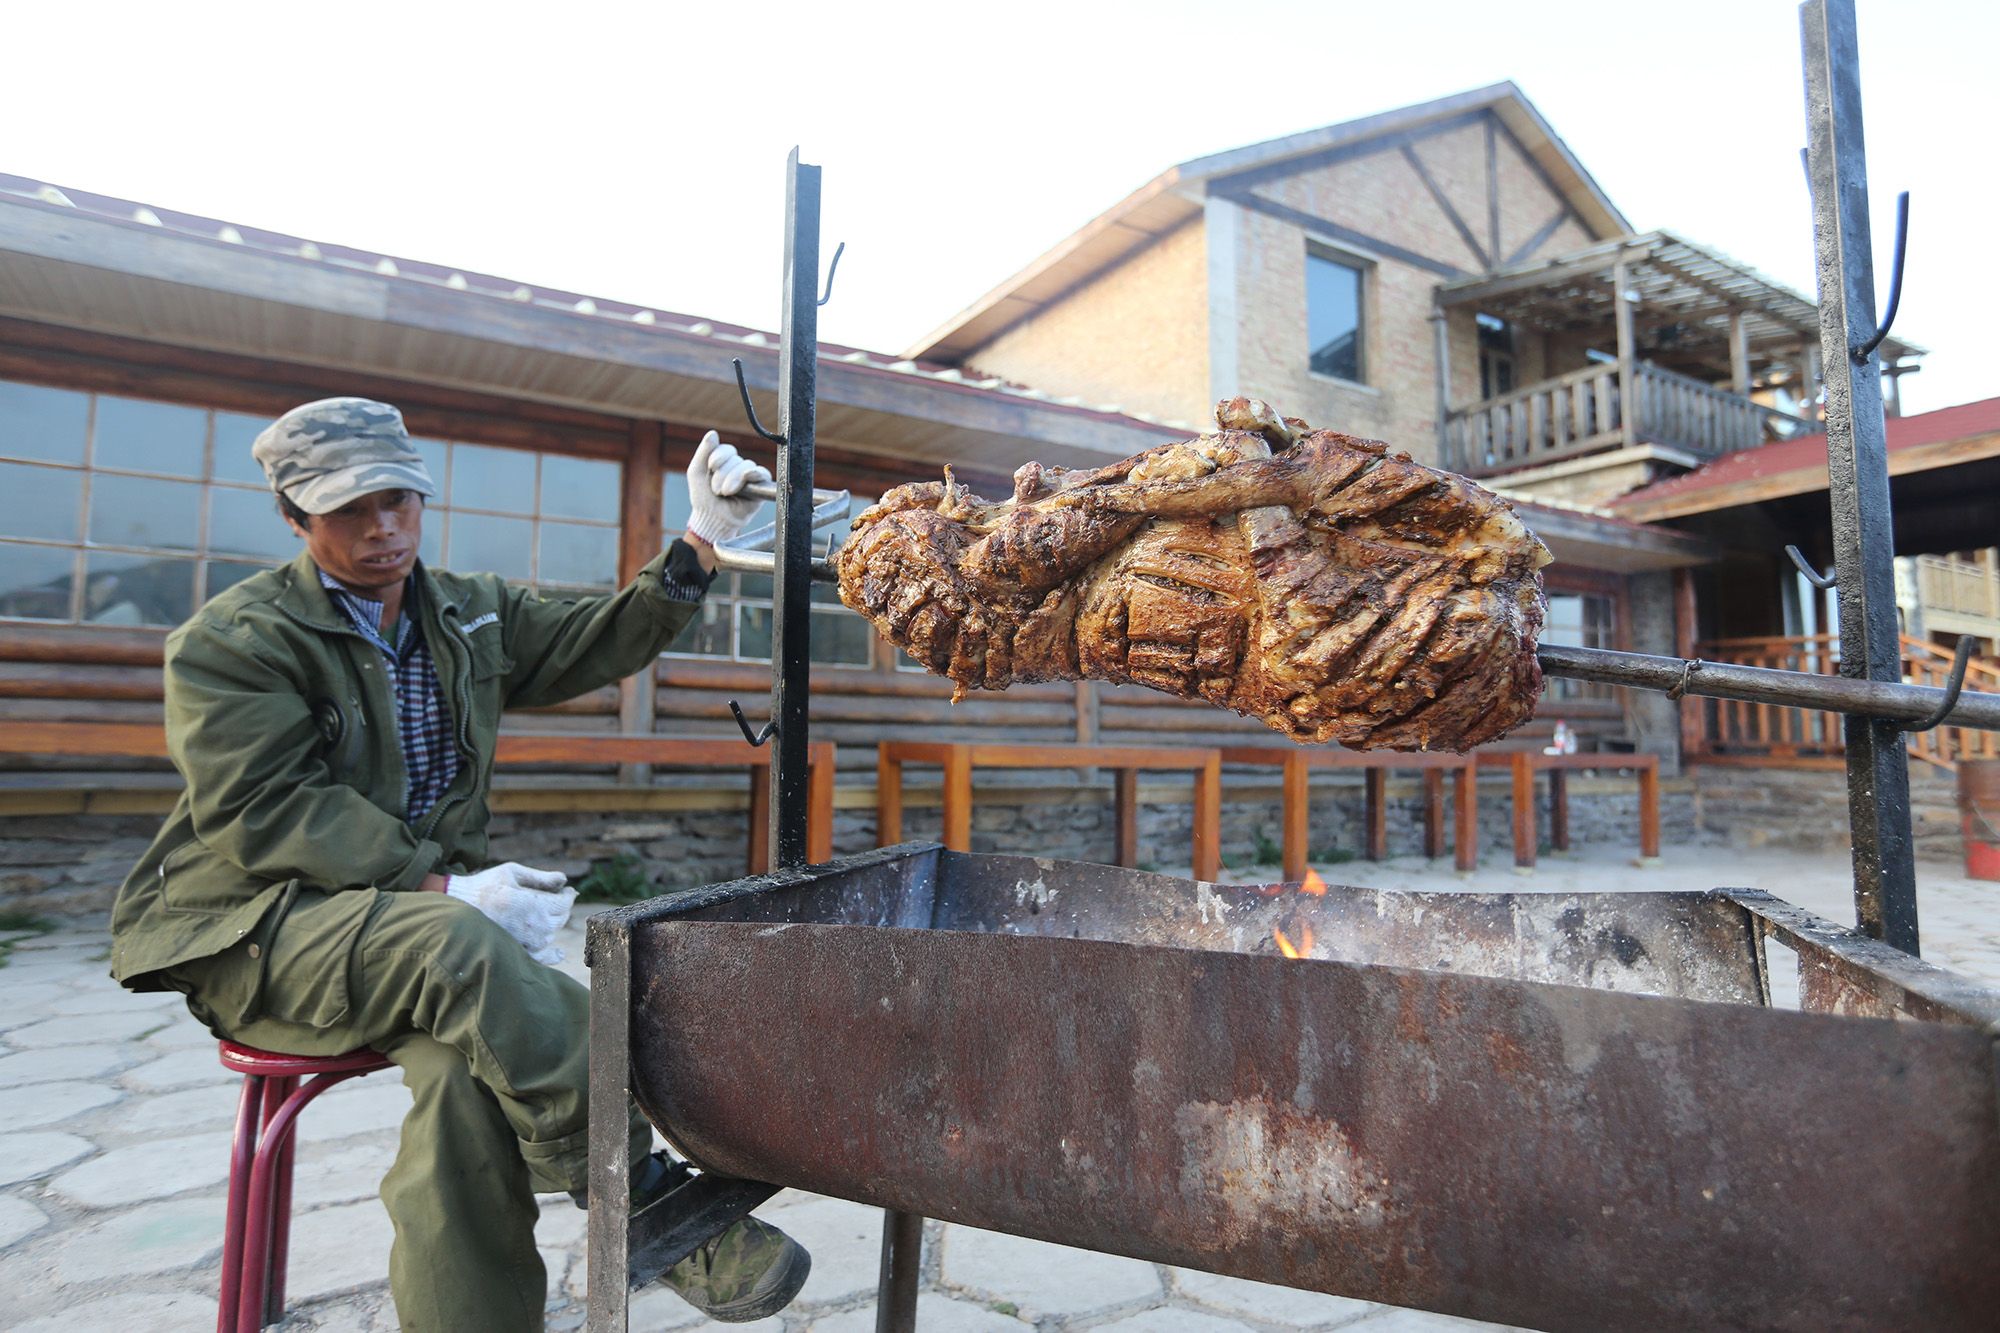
(716, 475)
(529, 904)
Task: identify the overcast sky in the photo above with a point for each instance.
(636, 151)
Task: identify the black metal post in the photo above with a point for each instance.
(902, 1259)
(1878, 771)
(791, 572)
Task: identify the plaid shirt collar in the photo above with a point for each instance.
(423, 724)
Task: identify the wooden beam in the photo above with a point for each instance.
(639, 536)
(1441, 335)
(1333, 231)
(1338, 153)
(1539, 239)
(1443, 201)
(1685, 636)
(1739, 354)
(1492, 187)
(1628, 378)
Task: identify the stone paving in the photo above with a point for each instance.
(115, 1123)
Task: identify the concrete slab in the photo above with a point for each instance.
(33, 1155)
(344, 1171)
(153, 1113)
(936, 1313)
(82, 1030)
(656, 1309)
(146, 1171)
(19, 1219)
(180, 1069)
(1168, 1319)
(152, 1238)
(152, 1311)
(1266, 1303)
(63, 1062)
(49, 1103)
(349, 1246)
(1043, 1280)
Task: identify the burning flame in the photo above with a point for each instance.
(1313, 884)
(1285, 946)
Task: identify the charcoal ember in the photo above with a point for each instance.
(1320, 583)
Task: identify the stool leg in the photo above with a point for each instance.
(242, 1150)
(267, 1230)
(281, 1220)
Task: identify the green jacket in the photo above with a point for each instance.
(282, 722)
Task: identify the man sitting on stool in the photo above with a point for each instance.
(323, 883)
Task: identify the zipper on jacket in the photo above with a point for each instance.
(467, 760)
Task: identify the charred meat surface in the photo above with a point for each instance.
(1317, 582)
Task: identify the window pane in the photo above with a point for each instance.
(35, 581)
(484, 478)
(137, 589)
(674, 503)
(149, 437)
(580, 488)
(138, 511)
(572, 553)
(42, 502)
(754, 585)
(433, 540)
(1333, 317)
(1565, 623)
(434, 456)
(708, 633)
(247, 523)
(226, 574)
(753, 636)
(492, 545)
(42, 423)
(840, 636)
(235, 432)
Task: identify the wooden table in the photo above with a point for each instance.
(1524, 764)
(958, 759)
(1375, 765)
(148, 740)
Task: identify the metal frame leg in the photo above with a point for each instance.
(242, 1151)
(902, 1268)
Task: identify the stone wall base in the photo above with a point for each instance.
(72, 865)
(1806, 808)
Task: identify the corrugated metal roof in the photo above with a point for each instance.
(327, 254)
(1708, 486)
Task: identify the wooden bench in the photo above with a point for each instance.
(1524, 764)
(958, 759)
(148, 740)
(1376, 765)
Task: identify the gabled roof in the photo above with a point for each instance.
(111, 265)
(1177, 194)
(1950, 435)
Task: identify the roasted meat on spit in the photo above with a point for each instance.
(1315, 581)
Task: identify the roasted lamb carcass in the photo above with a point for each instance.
(1317, 582)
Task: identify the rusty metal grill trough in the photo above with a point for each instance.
(1568, 1111)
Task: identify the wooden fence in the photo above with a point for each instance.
(1731, 729)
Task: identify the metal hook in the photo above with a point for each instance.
(1680, 687)
(748, 410)
(1813, 576)
(756, 737)
(1867, 349)
(1952, 685)
(834, 268)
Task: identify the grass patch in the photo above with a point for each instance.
(1336, 856)
(1269, 853)
(1007, 1308)
(618, 879)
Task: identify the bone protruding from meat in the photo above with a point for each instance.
(1330, 588)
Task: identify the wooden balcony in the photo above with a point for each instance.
(1960, 595)
(1583, 412)
(1728, 729)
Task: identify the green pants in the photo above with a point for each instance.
(494, 1050)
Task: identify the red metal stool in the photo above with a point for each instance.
(259, 1224)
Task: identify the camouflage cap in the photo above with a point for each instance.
(324, 454)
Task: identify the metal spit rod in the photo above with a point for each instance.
(1878, 765)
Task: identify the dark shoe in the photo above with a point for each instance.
(751, 1271)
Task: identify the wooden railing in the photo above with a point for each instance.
(1583, 412)
(1963, 596)
(1731, 728)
